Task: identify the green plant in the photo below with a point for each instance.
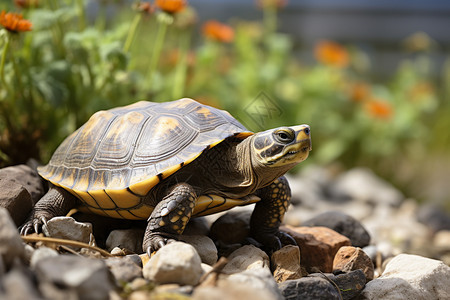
(55, 76)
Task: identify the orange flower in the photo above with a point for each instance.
(359, 91)
(172, 58)
(271, 3)
(331, 53)
(14, 22)
(171, 6)
(218, 31)
(379, 109)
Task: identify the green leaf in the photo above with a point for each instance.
(53, 83)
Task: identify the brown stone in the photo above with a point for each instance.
(26, 177)
(285, 263)
(16, 199)
(318, 246)
(353, 258)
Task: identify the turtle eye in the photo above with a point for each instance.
(284, 135)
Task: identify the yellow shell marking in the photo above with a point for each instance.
(104, 199)
(143, 187)
(204, 111)
(85, 197)
(166, 123)
(209, 204)
(142, 212)
(123, 199)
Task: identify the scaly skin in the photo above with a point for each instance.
(170, 217)
(56, 202)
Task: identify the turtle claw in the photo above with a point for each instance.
(273, 242)
(286, 239)
(156, 242)
(24, 229)
(33, 225)
(161, 244)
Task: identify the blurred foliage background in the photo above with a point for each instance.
(68, 66)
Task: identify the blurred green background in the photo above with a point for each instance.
(77, 60)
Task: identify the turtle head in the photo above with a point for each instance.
(283, 146)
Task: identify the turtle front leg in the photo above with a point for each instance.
(56, 202)
(169, 218)
(268, 215)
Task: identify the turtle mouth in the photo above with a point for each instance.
(291, 153)
(303, 146)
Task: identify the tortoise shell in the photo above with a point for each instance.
(119, 155)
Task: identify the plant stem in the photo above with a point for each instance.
(164, 21)
(270, 19)
(2, 62)
(132, 32)
(180, 72)
(81, 14)
(35, 239)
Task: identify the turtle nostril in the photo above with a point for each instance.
(306, 130)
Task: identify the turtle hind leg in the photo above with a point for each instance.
(169, 218)
(268, 215)
(56, 202)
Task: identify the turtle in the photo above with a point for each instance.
(167, 162)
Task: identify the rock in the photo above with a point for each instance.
(11, 245)
(206, 268)
(227, 290)
(29, 251)
(116, 251)
(305, 192)
(411, 277)
(130, 239)
(245, 258)
(124, 269)
(204, 245)
(176, 262)
(285, 263)
(362, 184)
(320, 175)
(174, 290)
(350, 284)
(434, 217)
(18, 285)
(16, 199)
(250, 265)
(74, 277)
(350, 258)
(256, 279)
(27, 178)
(309, 288)
(40, 254)
(102, 226)
(343, 224)
(318, 246)
(197, 226)
(396, 227)
(136, 259)
(2, 270)
(68, 228)
(442, 240)
(232, 227)
(144, 258)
